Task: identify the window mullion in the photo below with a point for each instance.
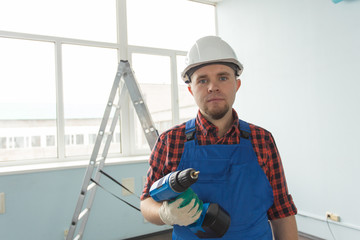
(60, 119)
(174, 90)
(122, 33)
(122, 40)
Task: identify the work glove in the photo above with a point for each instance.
(183, 210)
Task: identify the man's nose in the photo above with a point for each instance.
(213, 87)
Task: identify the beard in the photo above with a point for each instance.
(217, 113)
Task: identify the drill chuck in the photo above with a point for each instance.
(182, 180)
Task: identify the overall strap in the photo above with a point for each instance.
(190, 130)
(245, 131)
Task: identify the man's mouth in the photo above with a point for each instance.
(215, 99)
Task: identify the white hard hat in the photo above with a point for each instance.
(209, 50)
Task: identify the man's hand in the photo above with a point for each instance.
(183, 211)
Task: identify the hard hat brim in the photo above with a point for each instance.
(185, 75)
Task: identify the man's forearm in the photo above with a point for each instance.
(150, 210)
(285, 228)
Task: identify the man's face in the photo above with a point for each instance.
(214, 88)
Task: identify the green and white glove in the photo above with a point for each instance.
(183, 211)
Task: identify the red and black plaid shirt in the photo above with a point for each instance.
(167, 152)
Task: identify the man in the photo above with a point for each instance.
(240, 167)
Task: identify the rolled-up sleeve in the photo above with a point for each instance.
(156, 162)
(283, 203)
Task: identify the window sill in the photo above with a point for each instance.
(31, 168)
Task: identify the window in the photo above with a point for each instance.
(26, 110)
(50, 140)
(187, 106)
(168, 24)
(80, 19)
(165, 25)
(79, 139)
(88, 75)
(92, 138)
(35, 141)
(3, 144)
(153, 76)
(58, 63)
(19, 142)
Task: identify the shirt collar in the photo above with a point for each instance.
(206, 126)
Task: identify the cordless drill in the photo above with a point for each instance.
(214, 220)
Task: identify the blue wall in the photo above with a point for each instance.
(40, 205)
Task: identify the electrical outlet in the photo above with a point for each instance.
(332, 216)
(129, 183)
(2, 203)
(144, 180)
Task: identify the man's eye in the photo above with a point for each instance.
(202, 81)
(223, 78)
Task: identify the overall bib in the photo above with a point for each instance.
(231, 176)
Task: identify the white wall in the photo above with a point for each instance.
(301, 82)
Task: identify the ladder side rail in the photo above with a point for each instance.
(91, 199)
(142, 111)
(102, 162)
(101, 132)
(94, 155)
(143, 115)
(105, 119)
(113, 124)
(124, 70)
(150, 131)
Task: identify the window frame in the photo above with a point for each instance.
(125, 52)
(172, 54)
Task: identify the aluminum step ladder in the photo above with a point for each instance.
(125, 73)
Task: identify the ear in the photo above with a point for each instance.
(189, 88)
(238, 84)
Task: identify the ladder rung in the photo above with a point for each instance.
(77, 237)
(91, 186)
(83, 213)
(102, 133)
(115, 106)
(150, 129)
(97, 161)
(100, 159)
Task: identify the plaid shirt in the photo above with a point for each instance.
(167, 152)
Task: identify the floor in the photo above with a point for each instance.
(167, 236)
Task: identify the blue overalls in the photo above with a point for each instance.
(231, 176)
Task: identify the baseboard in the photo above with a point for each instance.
(149, 235)
(170, 230)
(309, 236)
